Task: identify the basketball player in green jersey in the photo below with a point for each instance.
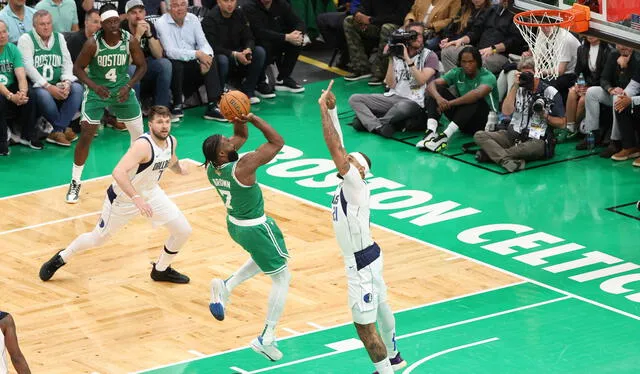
(235, 181)
(106, 57)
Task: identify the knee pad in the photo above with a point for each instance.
(135, 128)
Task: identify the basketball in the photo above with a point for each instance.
(234, 104)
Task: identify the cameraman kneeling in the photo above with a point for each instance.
(410, 68)
(533, 105)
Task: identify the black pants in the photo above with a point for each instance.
(187, 78)
(469, 117)
(24, 115)
(331, 26)
(629, 125)
(285, 55)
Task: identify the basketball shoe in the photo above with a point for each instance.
(50, 267)
(168, 275)
(397, 363)
(219, 298)
(270, 351)
(73, 194)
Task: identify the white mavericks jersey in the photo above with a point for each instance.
(350, 211)
(145, 179)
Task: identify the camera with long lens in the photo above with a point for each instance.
(539, 105)
(400, 38)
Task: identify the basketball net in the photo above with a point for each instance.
(545, 33)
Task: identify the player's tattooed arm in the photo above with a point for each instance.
(331, 136)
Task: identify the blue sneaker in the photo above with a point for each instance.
(219, 297)
(397, 362)
(270, 351)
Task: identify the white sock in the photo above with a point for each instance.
(432, 124)
(246, 271)
(76, 172)
(384, 366)
(277, 298)
(451, 129)
(136, 128)
(571, 126)
(387, 326)
(165, 259)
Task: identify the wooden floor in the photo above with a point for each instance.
(102, 313)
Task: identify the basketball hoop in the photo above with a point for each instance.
(544, 31)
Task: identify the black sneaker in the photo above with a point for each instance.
(169, 275)
(288, 84)
(357, 125)
(356, 76)
(176, 113)
(4, 149)
(265, 91)
(213, 113)
(482, 156)
(50, 267)
(386, 131)
(33, 144)
(614, 147)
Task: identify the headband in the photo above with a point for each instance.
(361, 160)
(108, 14)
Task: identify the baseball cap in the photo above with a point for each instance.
(132, 4)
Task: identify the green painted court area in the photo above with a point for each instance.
(521, 328)
(567, 227)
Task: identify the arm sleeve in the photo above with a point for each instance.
(67, 63)
(354, 188)
(25, 46)
(333, 114)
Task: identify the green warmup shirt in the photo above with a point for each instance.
(456, 77)
(10, 59)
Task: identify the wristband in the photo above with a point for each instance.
(134, 196)
(412, 64)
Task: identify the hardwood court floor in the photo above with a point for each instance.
(102, 313)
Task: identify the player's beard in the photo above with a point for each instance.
(232, 156)
(159, 135)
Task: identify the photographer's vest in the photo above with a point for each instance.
(47, 61)
(524, 118)
(406, 84)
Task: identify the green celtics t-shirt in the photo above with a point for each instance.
(456, 77)
(10, 58)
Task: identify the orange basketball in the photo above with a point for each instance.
(234, 104)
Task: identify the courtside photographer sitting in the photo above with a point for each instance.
(534, 107)
(410, 68)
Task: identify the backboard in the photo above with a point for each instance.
(615, 21)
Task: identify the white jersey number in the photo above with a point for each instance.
(47, 72)
(111, 75)
(227, 198)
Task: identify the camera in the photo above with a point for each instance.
(539, 104)
(526, 80)
(399, 38)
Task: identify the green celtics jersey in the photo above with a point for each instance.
(242, 202)
(110, 65)
(48, 62)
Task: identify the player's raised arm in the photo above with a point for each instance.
(248, 164)
(240, 131)
(331, 136)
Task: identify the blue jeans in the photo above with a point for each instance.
(59, 112)
(250, 72)
(158, 71)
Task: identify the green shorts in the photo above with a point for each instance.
(264, 242)
(93, 107)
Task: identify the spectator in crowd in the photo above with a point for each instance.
(374, 19)
(18, 18)
(15, 95)
(409, 69)
(331, 27)
(281, 33)
(9, 341)
(159, 71)
(618, 70)
(63, 13)
(462, 22)
(592, 55)
(227, 30)
(436, 16)
(191, 57)
(468, 110)
(628, 120)
(76, 40)
(494, 33)
(49, 67)
(533, 106)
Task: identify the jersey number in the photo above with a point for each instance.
(227, 198)
(47, 72)
(111, 75)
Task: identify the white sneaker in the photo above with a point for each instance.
(219, 298)
(254, 100)
(270, 351)
(438, 143)
(428, 136)
(73, 194)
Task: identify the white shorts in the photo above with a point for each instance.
(119, 212)
(367, 290)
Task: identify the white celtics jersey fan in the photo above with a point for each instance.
(145, 178)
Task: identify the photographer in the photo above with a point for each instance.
(533, 105)
(410, 67)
